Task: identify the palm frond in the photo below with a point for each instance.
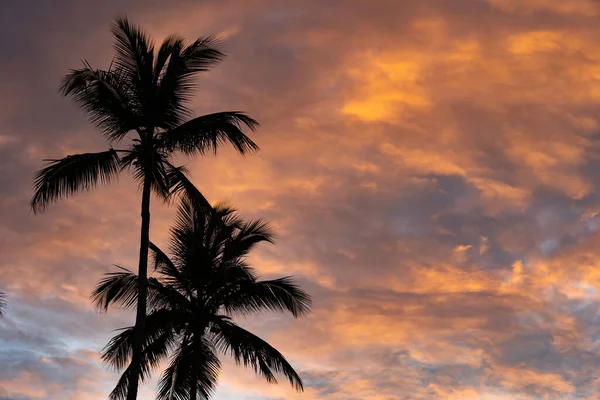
(120, 390)
(106, 97)
(117, 351)
(209, 132)
(248, 235)
(170, 109)
(228, 215)
(2, 304)
(220, 282)
(184, 235)
(180, 185)
(202, 54)
(172, 44)
(177, 76)
(120, 288)
(135, 56)
(251, 351)
(162, 263)
(168, 293)
(144, 161)
(159, 339)
(74, 173)
(175, 280)
(220, 227)
(176, 381)
(251, 297)
(160, 177)
(195, 217)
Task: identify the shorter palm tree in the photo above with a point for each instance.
(192, 300)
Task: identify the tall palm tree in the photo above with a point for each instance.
(140, 102)
(192, 300)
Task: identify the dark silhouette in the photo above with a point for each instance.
(140, 99)
(191, 303)
(2, 304)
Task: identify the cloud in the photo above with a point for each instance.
(430, 169)
(578, 7)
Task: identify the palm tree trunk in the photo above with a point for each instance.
(195, 367)
(194, 388)
(140, 318)
(194, 382)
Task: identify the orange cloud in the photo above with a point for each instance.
(429, 166)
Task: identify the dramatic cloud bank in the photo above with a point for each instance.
(430, 166)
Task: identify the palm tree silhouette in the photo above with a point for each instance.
(141, 100)
(206, 281)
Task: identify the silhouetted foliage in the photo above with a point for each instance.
(2, 304)
(191, 302)
(139, 102)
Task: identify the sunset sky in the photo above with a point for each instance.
(431, 168)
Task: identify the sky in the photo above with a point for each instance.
(431, 168)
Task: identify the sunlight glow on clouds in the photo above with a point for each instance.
(430, 168)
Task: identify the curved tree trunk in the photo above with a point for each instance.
(140, 318)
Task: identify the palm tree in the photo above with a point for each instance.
(191, 302)
(140, 101)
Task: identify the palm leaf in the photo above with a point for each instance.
(2, 304)
(172, 44)
(121, 289)
(147, 161)
(176, 68)
(79, 172)
(246, 237)
(120, 390)
(173, 278)
(251, 297)
(159, 337)
(188, 235)
(170, 109)
(251, 351)
(200, 55)
(180, 185)
(162, 263)
(176, 381)
(106, 97)
(160, 176)
(135, 56)
(164, 295)
(209, 132)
